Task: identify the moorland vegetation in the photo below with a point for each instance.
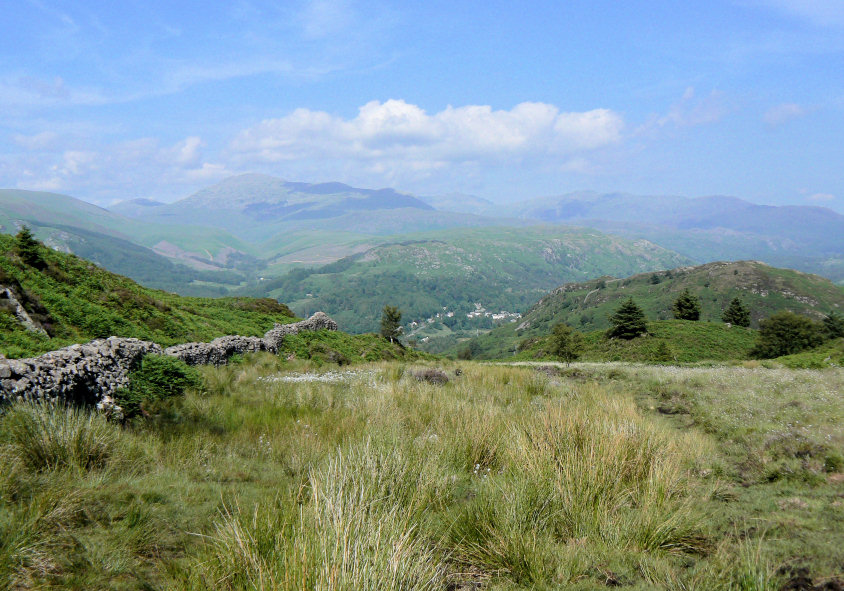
(327, 467)
(278, 474)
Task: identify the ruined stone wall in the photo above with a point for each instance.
(92, 373)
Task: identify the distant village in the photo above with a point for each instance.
(449, 318)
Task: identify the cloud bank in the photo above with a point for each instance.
(399, 135)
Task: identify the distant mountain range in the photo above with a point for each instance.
(712, 228)
(243, 233)
(258, 207)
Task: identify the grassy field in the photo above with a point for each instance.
(291, 475)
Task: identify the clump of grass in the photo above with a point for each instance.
(47, 436)
(359, 528)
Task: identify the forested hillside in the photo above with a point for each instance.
(499, 268)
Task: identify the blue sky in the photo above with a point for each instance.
(507, 100)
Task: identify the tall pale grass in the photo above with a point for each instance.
(359, 528)
(48, 436)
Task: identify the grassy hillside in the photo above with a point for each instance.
(75, 301)
(687, 341)
(501, 478)
(586, 306)
(501, 268)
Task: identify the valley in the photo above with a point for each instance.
(628, 466)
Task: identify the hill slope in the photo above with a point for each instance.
(500, 268)
(73, 301)
(587, 305)
(152, 254)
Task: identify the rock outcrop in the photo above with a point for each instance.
(93, 372)
(8, 300)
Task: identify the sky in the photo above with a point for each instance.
(506, 100)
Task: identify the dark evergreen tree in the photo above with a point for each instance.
(736, 313)
(28, 248)
(391, 323)
(687, 306)
(834, 326)
(628, 321)
(655, 279)
(565, 343)
(785, 333)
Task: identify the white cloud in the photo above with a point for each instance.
(322, 18)
(138, 167)
(44, 140)
(781, 114)
(398, 136)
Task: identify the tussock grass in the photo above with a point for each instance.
(300, 475)
(46, 436)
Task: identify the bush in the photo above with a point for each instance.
(158, 379)
(785, 333)
(433, 376)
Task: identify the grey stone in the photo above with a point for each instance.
(91, 373)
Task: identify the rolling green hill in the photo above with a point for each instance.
(501, 268)
(158, 256)
(587, 305)
(74, 301)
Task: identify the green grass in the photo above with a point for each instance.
(303, 474)
(77, 301)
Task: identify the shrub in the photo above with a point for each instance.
(431, 375)
(158, 379)
(785, 333)
(833, 326)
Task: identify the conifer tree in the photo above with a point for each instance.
(391, 323)
(687, 306)
(628, 321)
(28, 248)
(663, 353)
(736, 313)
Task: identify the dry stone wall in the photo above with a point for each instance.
(93, 372)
